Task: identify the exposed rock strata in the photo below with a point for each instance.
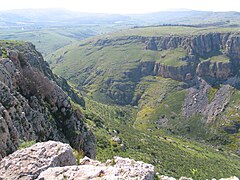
(215, 70)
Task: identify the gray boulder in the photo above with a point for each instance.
(28, 163)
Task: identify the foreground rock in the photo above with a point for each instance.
(55, 160)
(48, 159)
(117, 168)
(30, 162)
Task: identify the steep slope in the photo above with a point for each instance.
(33, 106)
(160, 83)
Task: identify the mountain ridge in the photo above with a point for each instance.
(57, 17)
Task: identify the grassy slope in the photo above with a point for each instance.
(49, 39)
(171, 156)
(170, 30)
(220, 58)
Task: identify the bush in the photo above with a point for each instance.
(26, 144)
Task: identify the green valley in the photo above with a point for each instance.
(164, 95)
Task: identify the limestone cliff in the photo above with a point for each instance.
(33, 106)
(204, 46)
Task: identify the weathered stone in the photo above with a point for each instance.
(30, 162)
(215, 70)
(118, 168)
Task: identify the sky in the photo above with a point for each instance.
(123, 6)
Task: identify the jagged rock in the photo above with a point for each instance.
(30, 162)
(197, 100)
(215, 70)
(118, 168)
(151, 44)
(33, 106)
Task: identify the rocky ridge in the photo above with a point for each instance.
(32, 104)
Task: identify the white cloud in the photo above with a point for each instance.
(122, 6)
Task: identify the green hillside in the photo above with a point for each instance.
(49, 39)
(146, 85)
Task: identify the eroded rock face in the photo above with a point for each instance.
(118, 168)
(33, 106)
(30, 162)
(197, 100)
(215, 70)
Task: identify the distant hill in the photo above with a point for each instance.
(59, 17)
(56, 17)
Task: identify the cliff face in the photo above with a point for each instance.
(215, 70)
(212, 56)
(203, 46)
(33, 106)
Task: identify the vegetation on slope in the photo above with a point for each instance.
(171, 30)
(50, 39)
(152, 125)
(170, 155)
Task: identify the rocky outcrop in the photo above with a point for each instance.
(55, 160)
(158, 69)
(215, 70)
(176, 73)
(197, 100)
(204, 46)
(117, 168)
(232, 46)
(33, 106)
(30, 162)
